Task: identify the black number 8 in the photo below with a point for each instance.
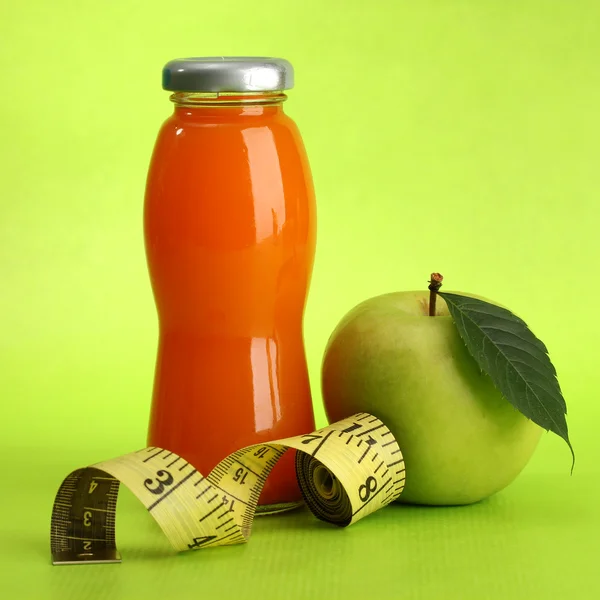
(163, 479)
(365, 491)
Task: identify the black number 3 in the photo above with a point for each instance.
(158, 485)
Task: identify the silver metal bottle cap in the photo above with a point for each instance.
(228, 74)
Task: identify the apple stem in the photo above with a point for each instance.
(435, 283)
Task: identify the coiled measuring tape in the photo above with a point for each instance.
(346, 471)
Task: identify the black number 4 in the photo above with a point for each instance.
(352, 427)
(199, 541)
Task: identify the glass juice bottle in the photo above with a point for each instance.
(229, 225)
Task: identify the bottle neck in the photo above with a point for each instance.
(228, 98)
(242, 103)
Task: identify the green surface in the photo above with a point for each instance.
(451, 136)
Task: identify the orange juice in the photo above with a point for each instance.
(230, 239)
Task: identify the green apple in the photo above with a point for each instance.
(461, 439)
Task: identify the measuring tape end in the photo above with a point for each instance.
(72, 558)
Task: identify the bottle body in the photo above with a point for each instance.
(229, 226)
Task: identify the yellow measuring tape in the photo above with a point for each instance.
(346, 471)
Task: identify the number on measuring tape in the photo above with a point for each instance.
(365, 490)
(261, 452)
(240, 476)
(161, 484)
(199, 541)
(311, 437)
(197, 511)
(352, 428)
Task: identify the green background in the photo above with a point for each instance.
(455, 136)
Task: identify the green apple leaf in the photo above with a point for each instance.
(514, 358)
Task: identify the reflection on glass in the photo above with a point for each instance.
(266, 181)
(267, 408)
